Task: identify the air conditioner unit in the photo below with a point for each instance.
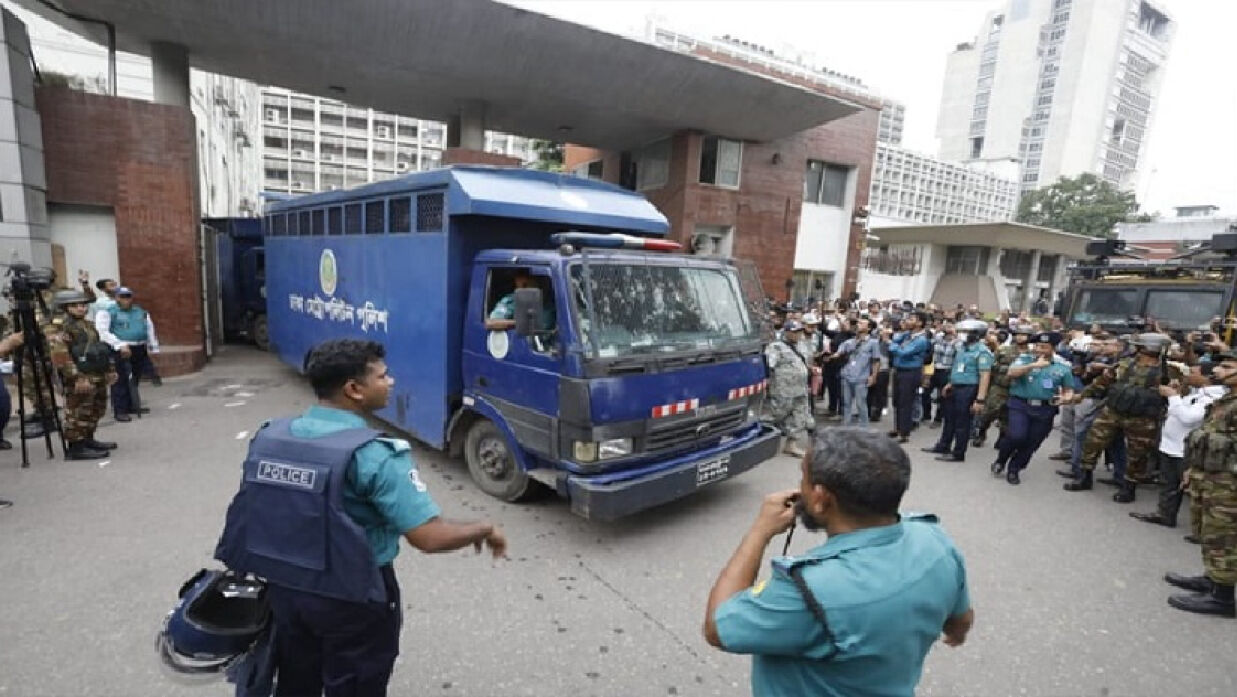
(272, 115)
(383, 131)
(401, 166)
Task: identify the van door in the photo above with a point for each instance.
(518, 375)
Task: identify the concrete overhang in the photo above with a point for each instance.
(1003, 235)
(537, 76)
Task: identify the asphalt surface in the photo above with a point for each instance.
(1066, 587)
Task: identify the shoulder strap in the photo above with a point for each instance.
(795, 572)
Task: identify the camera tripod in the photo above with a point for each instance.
(34, 353)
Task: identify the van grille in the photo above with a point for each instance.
(690, 430)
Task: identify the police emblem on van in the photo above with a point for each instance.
(328, 272)
(286, 475)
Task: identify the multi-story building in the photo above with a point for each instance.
(1168, 237)
(908, 187)
(315, 144)
(1065, 86)
(893, 116)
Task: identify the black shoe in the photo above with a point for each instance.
(950, 457)
(1012, 477)
(892, 434)
(977, 442)
(5, 503)
(1110, 481)
(1068, 474)
(1125, 494)
(124, 418)
(1218, 602)
(156, 381)
(5, 445)
(79, 451)
(1155, 518)
(99, 445)
(1061, 456)
(997, 468)
(140, 410)
(935, 449)
(934, 424)
(1194, 584)
(1192, 539)
(1082, 483)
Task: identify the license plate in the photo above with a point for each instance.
(712, 471)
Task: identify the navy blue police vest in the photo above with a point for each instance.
(287, 523)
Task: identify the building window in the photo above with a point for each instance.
(825, 183)
(653, 165)
(1047, 268)
(1016, 263)
(1118, 130)
(713, 240)
(590, 170)
(720, 161)
(977, 147)
(966, 261)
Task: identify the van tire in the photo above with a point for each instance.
(492, 465)
(258, 332)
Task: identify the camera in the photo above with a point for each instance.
(26, 281)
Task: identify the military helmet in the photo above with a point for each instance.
(792, 326)
(1022, 328)
(1152, 342)
(68, 297)
(971, 325)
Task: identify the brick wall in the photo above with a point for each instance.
(140, 159)
(764, 211)
(466, 156)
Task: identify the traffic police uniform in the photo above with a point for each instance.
(131, 328)
(1031, 411)
(1211, 451)
(884, 593)
(971, 360)
(322, 506)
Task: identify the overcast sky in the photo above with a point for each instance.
(898, 48)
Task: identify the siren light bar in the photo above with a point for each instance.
(614, 241)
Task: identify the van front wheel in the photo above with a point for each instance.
(492, 465)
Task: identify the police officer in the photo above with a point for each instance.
(965, 390)
(1133, 408)
(788, 388)
(322, 505)
(998, 393)
(834, 620)
(908, 350)
(1039, 386)
(1211, 451)
(85, 366)
(128, 329)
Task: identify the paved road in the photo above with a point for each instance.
(1066, 587)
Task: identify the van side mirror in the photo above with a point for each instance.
(527, 311)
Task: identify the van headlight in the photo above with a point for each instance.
(615, 447)
(584, 451)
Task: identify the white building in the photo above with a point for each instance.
(893, 117)
(1168, 237)
(313, 144)
(1064, 86)
(908, 187)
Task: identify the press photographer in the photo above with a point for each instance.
(857, 615)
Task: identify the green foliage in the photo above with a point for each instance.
(549, 155)
(1085, 204)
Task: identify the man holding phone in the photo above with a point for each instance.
(857, 615)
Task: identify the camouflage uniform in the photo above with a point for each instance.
(1132, 397)
(81, 411)
(998, 392)
(43, 397)
(788, 388)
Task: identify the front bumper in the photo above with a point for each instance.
(608, 497)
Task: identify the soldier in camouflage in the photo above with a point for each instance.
(998, 391)
(1211, 453)
(85, 368)
(1133, 408)
(788, 389)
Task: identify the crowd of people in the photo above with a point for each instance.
(1154, 405)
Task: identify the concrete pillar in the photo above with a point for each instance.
(467, 129)
(169, 66)
(1031, 293)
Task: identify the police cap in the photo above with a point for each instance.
(971, 325)
(792, 326)
(1053, 338)
(69, 297)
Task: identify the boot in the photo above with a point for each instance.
(1218, 602)
(1126, 494)
(80, 451)
(1082, 483)
(1194, 584)
(792, 448)
(99, 445)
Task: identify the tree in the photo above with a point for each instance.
(549, 155)
(1085, 204)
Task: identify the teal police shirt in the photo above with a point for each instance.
(383, 495)
(969, 361)
(886, 592)
(505, 309)
(1041, 383)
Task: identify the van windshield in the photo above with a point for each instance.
(629, 308)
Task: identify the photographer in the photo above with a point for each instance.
(857, 615)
